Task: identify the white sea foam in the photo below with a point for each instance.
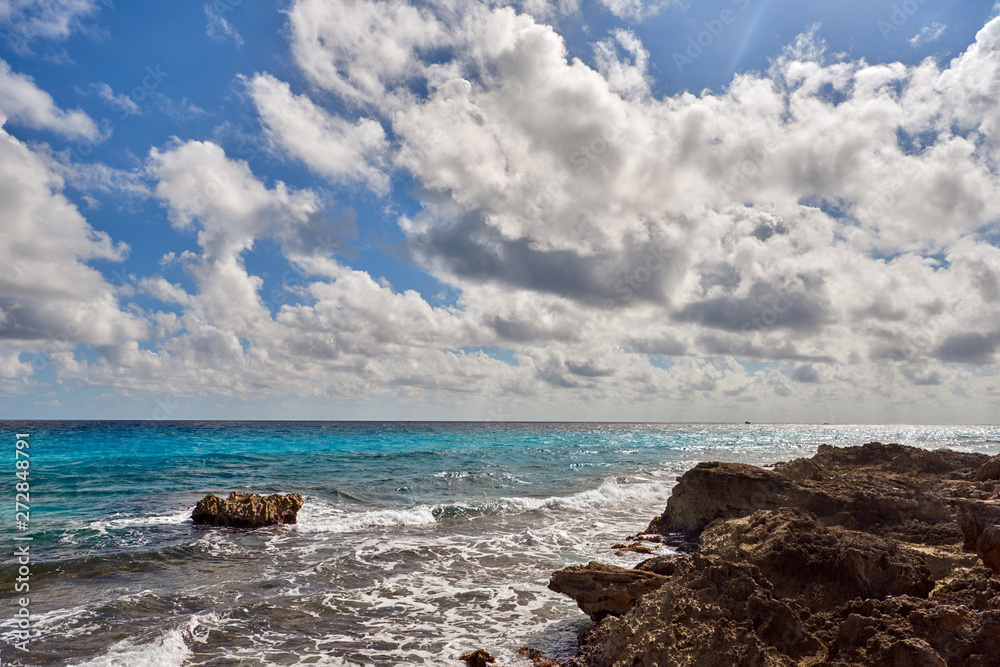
(171, 649)
(176, 517)
(609, 494)
(167, 650)
(317, 516)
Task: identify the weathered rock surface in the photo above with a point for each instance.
(712, 491)
(989, 471)
(980, 525)
(823, 565)
(601, 590)
(244, 510)
(875, 485)
(856, 556)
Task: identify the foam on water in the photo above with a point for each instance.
(168, 650)
(609, 494)
(317, 516)
(176, 517)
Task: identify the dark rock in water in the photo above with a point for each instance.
(856, 556)
(478, 658)
(601, 590)
(244, 510)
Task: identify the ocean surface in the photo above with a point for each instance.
(417, 541)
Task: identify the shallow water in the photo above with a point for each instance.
(417, 542)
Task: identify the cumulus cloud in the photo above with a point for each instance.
(364, 50)
(51, 299)
(629, 79)
(21, 101)
(330, 145)
(348, 334)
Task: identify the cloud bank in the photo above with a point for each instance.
(819, 234)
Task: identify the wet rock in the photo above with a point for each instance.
(637, 547)
(244, 510)
(601, 590)
(477, 658)
(540, 660)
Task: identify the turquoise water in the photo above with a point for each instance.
(418, 541)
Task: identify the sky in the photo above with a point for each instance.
(616, 210)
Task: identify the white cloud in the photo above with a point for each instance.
(363, 50)
(21, 101)
(219, 27)
(225, 339)
(182, 111)
(122, 103)
(628, 79)
(50, 19)
(929, 33)
(634, 10)
(50, 298)
(95, 177)
(330, 145)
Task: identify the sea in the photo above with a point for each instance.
(418, 541)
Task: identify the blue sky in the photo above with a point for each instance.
(544, 210)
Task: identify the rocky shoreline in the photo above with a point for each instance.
(869, 555)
